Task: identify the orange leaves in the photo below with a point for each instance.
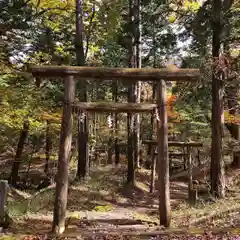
(52, 117)
(31, 237)
(171, 99)
(176, 117)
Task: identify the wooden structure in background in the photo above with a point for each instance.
(131, 75)
(187, 157)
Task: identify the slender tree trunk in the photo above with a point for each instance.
(17, 160)
(131, 92)
(48, 147)
(83, 158)
(83, 161)
(111, 138)
(3, 200)
(60, 204)
(117, 153)
(217, 163)
(153, 173)
(153, 88)
(138, 64)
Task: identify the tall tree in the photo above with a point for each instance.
(217, 163)
(17, 160)
(138, 64)
(131, 93)
(83, 159)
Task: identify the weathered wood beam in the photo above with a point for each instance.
(134, 74)
(175, 144)
(114, 107)
(61, 196)
(162, 158)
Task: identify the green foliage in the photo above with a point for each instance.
(105, 208)
(43, 32)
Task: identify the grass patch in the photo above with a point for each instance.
(9, 238)
(105, 208)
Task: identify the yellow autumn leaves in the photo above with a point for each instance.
(189, 6)
(229, 118)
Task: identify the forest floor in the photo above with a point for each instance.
(104, 208)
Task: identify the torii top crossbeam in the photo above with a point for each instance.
(131, 74)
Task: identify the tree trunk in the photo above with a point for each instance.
(131, 92)
(83, 158)
(153, 172)
(3, 201)
(153, 87)
(17, 160)
(162, 158)
(60, 204)
(117, 153)
(111, 138)
(217, 163)
(48, 147)
(138, 64)
(152, 117)
(83, 161)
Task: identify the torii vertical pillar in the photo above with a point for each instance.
(60, 204)
(162, 158)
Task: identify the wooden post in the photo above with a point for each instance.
(163, 164)
(3, 199)
(60, 204)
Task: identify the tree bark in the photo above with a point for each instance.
(17, 160)
(138, 64)
(83, 161)
(83, 158)
(153, 86)
(60, 204)
(48, 147)
(117, 153)
(3, 200)
(152, 117)
(162, 158)
(217, 162)
(153, 173)
(113, 127)
(131, 92)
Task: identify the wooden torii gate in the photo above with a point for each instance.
(130, 75)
